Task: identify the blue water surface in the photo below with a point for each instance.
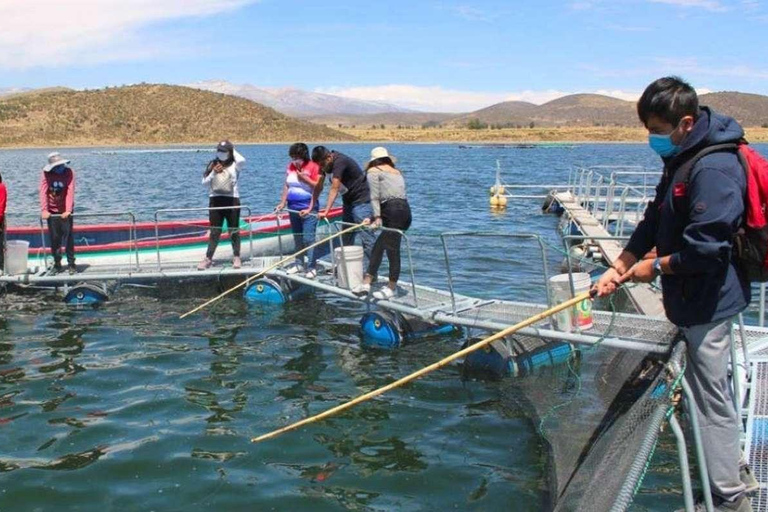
(126, 407)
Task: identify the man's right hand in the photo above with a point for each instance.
(46, 215)
(608, 283)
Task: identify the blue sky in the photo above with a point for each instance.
(435, 55)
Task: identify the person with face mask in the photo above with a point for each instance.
(57, 203)
(301, 178)
(221, 177)
(702, 287)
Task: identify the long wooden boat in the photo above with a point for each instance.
(174, 241)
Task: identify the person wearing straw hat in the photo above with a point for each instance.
(221, 177)
(3, 203)
(57, 203)
(390, 209)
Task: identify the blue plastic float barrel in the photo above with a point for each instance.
(388, 329)
(265, 291)
(488, 362)
(86, 294)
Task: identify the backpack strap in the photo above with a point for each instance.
(683, 173)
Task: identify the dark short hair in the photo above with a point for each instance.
(380, 161)
(299, 150)
(670, 98)
(319, 153)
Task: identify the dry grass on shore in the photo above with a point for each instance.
(517, 135)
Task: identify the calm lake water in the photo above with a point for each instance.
(126, 407)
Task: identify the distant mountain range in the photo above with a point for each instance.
(297, 102)
(146, 114)
(751, 110)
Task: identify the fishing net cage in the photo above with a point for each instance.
(600, 416)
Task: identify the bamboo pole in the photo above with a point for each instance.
(284, 260)
(427, 369)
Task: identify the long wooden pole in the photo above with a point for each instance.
(427, 369)
(284, 260)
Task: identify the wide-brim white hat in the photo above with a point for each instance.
(55, 159)
(381, 152)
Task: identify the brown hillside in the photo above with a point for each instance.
(146, 114)
(587, 110)
(505, 113)
(747, 109)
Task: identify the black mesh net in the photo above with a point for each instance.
(599, 415)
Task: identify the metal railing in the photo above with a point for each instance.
(528, 236)
(242, 208)
(339, 224)
(133, 248)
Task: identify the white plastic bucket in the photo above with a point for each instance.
(578, 317)
(349, 266)
(16, 256)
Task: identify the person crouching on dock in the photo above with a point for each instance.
(221, 177)
(57, 202)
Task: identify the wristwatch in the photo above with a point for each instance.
(657, 267)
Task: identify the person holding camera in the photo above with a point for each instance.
(221, 177)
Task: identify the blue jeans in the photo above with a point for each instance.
(304, 229)
(355, 214)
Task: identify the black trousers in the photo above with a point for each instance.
(61, 230)
(216, 220)
(395, 214)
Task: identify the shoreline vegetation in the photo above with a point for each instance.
(518, 135)
(544, 135)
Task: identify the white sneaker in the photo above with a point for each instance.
(384, 293)
(361, 289)
(311, 274)
(205, 264)
(293, 269)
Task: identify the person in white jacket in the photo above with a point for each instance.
(221, 177)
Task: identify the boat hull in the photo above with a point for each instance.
(149, 243)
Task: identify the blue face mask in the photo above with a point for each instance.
(59, 169)
(663, 145)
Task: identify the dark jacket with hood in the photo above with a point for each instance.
(706, 285)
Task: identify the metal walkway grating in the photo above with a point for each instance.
(757, 433)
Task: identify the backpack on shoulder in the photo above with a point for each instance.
(750, 244)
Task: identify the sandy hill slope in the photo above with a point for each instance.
(748, 109)
(146, 114)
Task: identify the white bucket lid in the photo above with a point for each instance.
(579, 278)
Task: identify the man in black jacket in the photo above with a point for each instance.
(691, 222)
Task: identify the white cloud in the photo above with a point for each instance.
(439, 99)
(470, 13)
(709, 5)
(61, 32)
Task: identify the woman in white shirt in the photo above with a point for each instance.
(221, 177)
